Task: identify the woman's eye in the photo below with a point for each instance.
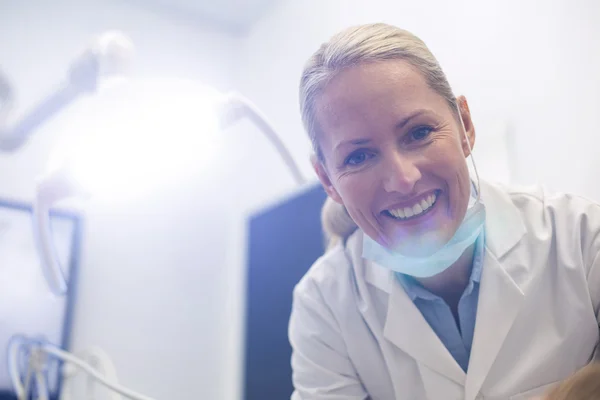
(420, 133)
(357, 158)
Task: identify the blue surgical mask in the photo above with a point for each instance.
(424, 267)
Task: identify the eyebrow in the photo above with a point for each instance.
(399, 125)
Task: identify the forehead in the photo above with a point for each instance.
(373, 95)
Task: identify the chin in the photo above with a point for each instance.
(421, 245)
(422, 248)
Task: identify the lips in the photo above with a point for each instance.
(418, 208)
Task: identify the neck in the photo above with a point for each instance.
(453, 281)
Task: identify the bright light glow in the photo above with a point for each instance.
(134, 139)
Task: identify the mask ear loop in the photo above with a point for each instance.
(464, 130)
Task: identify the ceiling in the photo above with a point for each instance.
(232, 15)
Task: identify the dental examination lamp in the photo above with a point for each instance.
(108, 56)
(59, 184)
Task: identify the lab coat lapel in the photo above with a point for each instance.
(500, 296)
(406, 328)
(499, 302)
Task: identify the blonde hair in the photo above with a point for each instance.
(355, 45)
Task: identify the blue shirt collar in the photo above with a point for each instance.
(414, 289)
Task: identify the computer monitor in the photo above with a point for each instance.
(284, 240)
(27, 306)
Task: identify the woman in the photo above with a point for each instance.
(439, 286)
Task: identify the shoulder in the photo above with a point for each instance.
(534, 200)
(556, 205)
(326, 274)
(569, 220)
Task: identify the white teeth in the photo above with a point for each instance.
(397, 213)
(419, 208)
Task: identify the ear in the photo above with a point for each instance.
(324, 178)
(469, 132)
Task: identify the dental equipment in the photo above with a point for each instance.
(42, 353)
(108, 56)
(58, 185)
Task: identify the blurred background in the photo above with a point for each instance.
(162, 283)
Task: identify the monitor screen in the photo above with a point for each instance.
(27, 306)
(284, 240)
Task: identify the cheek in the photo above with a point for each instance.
(358, 195)
(350, 190)
(448, 163)
(445, 154)
(452, 166)
(357, 191)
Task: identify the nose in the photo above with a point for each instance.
(400, 174)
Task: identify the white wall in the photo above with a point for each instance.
(531, 63)
(153, 274)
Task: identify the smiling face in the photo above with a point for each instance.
(393, 153)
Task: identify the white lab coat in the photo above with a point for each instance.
(356, 334)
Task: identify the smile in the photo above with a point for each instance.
(420, 207)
